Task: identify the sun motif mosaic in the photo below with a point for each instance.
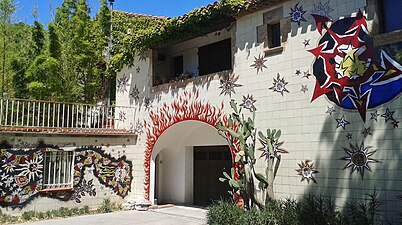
(279, 85)
(297, 14)
(228, 85)
(248, 103)
(322, 9)
(358, 158)
(276, 148)
(306, 170)
(122, 83)
(259, 63)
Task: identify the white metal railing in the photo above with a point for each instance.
(34, 114)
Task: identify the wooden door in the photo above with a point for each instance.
(209, 163)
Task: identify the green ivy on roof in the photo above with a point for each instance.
(136, 33)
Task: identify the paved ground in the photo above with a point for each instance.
(177, 215)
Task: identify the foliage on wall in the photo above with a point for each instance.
(134, 34)
(346, 67)
(184, 107)
(22, 171)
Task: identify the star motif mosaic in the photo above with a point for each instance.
(322, 9)
(359, 158)
(259, 63)
(138, 69)
(142, 56)
(147, 103)
(342, 122)
(122, 116)
(298, 72)
(228, 85)
(349, 136)
(330, 110)
(307, 74)
(304, 88)
(248, 103)
(374, 116)
(138, 128)
(297, 14)
(388, 115)
(395, 123)
(135, 93)
(306, 42)
(279, 85)
(122, 83)
(306, 171)
(367, 131)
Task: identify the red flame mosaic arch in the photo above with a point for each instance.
(185, 107)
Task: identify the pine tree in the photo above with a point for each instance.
(54, 42)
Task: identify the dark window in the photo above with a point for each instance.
(391, 15)
(178, 65)
(215, 57)
(274, 35)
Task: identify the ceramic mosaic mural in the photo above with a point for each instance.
(22, 174)
(346, 67)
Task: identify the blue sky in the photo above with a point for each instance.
(169, 8)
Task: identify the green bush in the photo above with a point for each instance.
(107, 206)
(310, 210)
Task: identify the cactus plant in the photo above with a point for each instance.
(243, 173)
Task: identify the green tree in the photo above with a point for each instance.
(7, 9)
(54, 42)
(38, 37)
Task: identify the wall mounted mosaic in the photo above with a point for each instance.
(122, 83)
(306, 170)
(297, 14)
(22, 175)
(358, 158)
(346, 67)
(279, 85)
(259, 63)
(228, 84)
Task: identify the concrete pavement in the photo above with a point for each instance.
(177, 215)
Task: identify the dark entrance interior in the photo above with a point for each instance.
(209, 163)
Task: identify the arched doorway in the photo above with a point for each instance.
(188, 159)
(186, 107)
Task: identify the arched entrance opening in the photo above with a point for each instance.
(187, 161)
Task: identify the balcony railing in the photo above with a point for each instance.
(60, 117)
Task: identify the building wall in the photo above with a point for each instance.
(311, 123)
(90, 188)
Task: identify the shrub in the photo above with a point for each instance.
(107, 206)
(310, 210)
